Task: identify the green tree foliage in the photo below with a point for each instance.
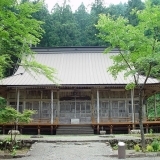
(117, 10)
(63, 27)
(133, 5)
(155, 2)
(2, 102)
(151, 102)
(96, 9)
(137, 50)
(18, 30)
(64, 30)
(12, 116)
(82, 20)
(43, 15)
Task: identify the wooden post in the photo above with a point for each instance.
(3, 129)
(147, 128)
(41, 106)
(98, 111)
(21, 131)
(8, 98)
(58, 105)
(51, 106)
(92, 106)
(110, 107)
(97, 129)
(51, 130)
(155, 108)
(129, 129)
(18, 92)
(39, 130)
(147, 108)
(24, 100)
(132, 104)
(111, 129)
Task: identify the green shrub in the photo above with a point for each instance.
(137, 148)
(155, 144)
(151, 131)
(149, 148)
(115, 147)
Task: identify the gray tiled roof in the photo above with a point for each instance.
(82, 66)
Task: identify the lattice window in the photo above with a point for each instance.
(136, 107)
(34, 106)
(104, 109)
(14, 105)
(46, 110)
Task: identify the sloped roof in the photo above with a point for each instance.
(75, 66)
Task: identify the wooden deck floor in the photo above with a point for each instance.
(111, 127)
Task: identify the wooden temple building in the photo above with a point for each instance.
(87, 98)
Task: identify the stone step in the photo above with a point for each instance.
(74, 130)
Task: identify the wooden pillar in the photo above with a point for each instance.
(41, 106)
(155, 107)
(98, 129)
(92, 106)
(144, 106)
(133, 112)
(147, 109)
(18, 93)
(21, 131)
(24, 105)
(8, 98)
(39, 130)
(24, 100)
(126, 108)
(51, 106)
(111, 129)
(110, 107)
(129, 129)
(51, 130)
(97, 111)
(58, 105)
(3, 129)
(147, 128)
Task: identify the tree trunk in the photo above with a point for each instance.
(141, 120)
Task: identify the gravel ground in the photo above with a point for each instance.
(73, 151)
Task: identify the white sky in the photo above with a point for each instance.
(76, 3)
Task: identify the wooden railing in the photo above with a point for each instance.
(116, 119)
(56, 121)
(40, 121)
(93, 120)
